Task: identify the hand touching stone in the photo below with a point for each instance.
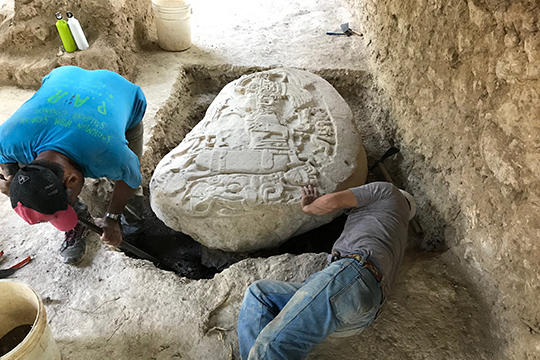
(309, 194)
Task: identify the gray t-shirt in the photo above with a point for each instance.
(377, 227)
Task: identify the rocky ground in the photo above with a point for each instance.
(113, 306)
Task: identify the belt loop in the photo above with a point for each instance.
(363, 259)
(382, 286)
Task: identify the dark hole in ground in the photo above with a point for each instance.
(183, 255)
(175, 250)
(317, 240)
(13, 338)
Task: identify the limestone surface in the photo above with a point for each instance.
(234, 182)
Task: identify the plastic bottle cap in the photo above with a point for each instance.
(69, 14)
(58, 16)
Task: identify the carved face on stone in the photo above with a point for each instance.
(265, 136)
(262, 124)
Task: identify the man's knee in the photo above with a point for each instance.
(81, 209)
(260, 288)
(254, 290)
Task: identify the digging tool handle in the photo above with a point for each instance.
(91, 226)
(385, 173)
(134, 250)
(346, 29)
(25, 261)
(387, 177)
(392, 151)
(124, 245)
(6, 273)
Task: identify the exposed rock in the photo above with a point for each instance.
(234, 182)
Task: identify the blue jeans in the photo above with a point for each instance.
(280, 320)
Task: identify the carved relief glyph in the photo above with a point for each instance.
(234, 181)
(256, 146)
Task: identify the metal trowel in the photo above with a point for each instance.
(348, 31)
(124, 245)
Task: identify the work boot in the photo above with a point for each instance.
(73, 248)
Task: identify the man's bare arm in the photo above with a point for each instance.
(7, 171)
(314, 204)
(112, 233)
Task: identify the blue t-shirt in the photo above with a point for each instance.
(82, 114)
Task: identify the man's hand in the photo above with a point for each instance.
(7, 171)
(5, 182)
(112, 233)
(313, 204)
(309, 194)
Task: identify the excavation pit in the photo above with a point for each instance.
(109, 285)
(193, 91)
(456, 92)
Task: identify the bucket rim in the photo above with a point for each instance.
(167, 10)
(38, 327)
(185, 6)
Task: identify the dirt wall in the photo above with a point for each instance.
(462, 81)
(115, 31)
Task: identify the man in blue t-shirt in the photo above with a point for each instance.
(79, 124)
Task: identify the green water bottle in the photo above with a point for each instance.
(65, 34)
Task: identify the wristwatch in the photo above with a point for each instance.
(115, 217)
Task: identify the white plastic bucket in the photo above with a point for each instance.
(21, 305)
(173, 23)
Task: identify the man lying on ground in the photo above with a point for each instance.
(280, 320)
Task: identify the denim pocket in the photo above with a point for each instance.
(355, 303)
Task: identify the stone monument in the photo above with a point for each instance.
(234, 181)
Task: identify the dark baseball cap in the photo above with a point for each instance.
(38, 195)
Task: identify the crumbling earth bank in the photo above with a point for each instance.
(114, 29)
(462, 81)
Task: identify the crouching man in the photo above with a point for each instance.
(280, 320)
(79, 124)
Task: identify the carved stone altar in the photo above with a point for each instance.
(234, 182)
